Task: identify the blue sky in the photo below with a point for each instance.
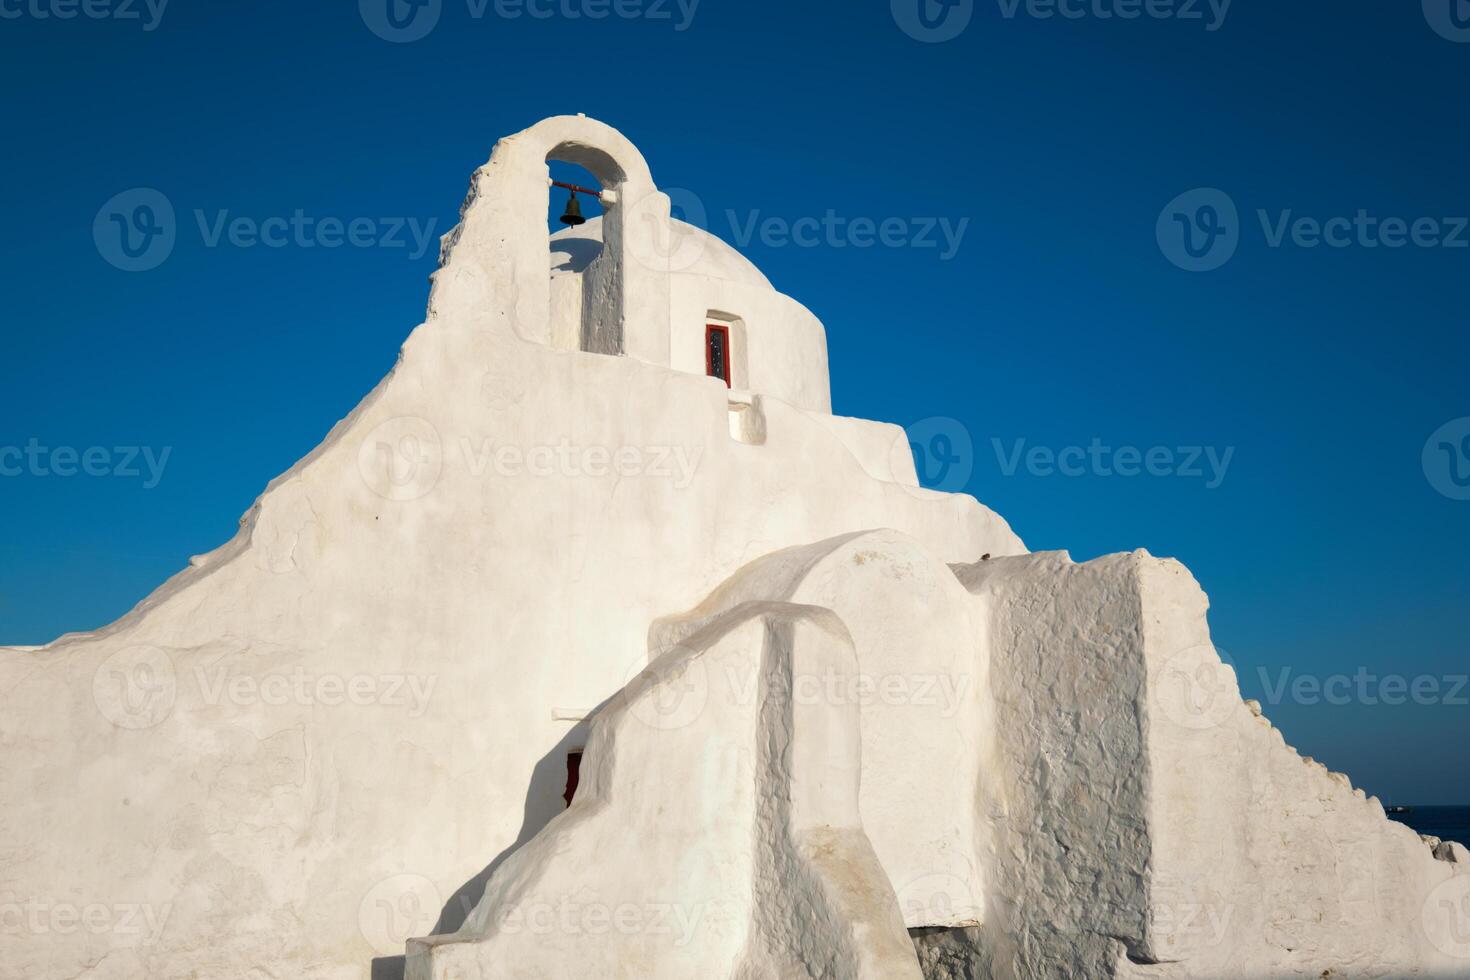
(1060, 153)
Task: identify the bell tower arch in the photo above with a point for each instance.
(502, 245)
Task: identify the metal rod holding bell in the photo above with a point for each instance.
(573, 215)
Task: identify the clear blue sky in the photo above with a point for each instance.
(1326, 549)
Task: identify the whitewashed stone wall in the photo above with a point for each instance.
(717, 833)
(328, 735)
(1153, 825)
(313, 743)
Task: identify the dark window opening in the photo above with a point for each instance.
(574, 769)
(717, 352)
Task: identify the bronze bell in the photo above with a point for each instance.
(573, 217)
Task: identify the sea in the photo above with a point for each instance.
(1444, 822)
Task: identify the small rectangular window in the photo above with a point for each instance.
(717, 352)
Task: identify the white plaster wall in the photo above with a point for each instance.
(779, 346)
(882, 448)
(1150, 824)
(785, 345)
(566, 312)
(927, 723)
(716, 833)
(1265, 863)
(170, 762)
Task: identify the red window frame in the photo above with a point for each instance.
(709, 368)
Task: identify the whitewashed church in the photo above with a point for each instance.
(592, 645)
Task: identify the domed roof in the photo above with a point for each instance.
(573, 249)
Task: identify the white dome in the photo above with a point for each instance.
(573, 249)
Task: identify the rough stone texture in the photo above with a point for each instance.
(1154, 825)
(952, 953)
(1453, 852)
(749, 860)
(1068, 890)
